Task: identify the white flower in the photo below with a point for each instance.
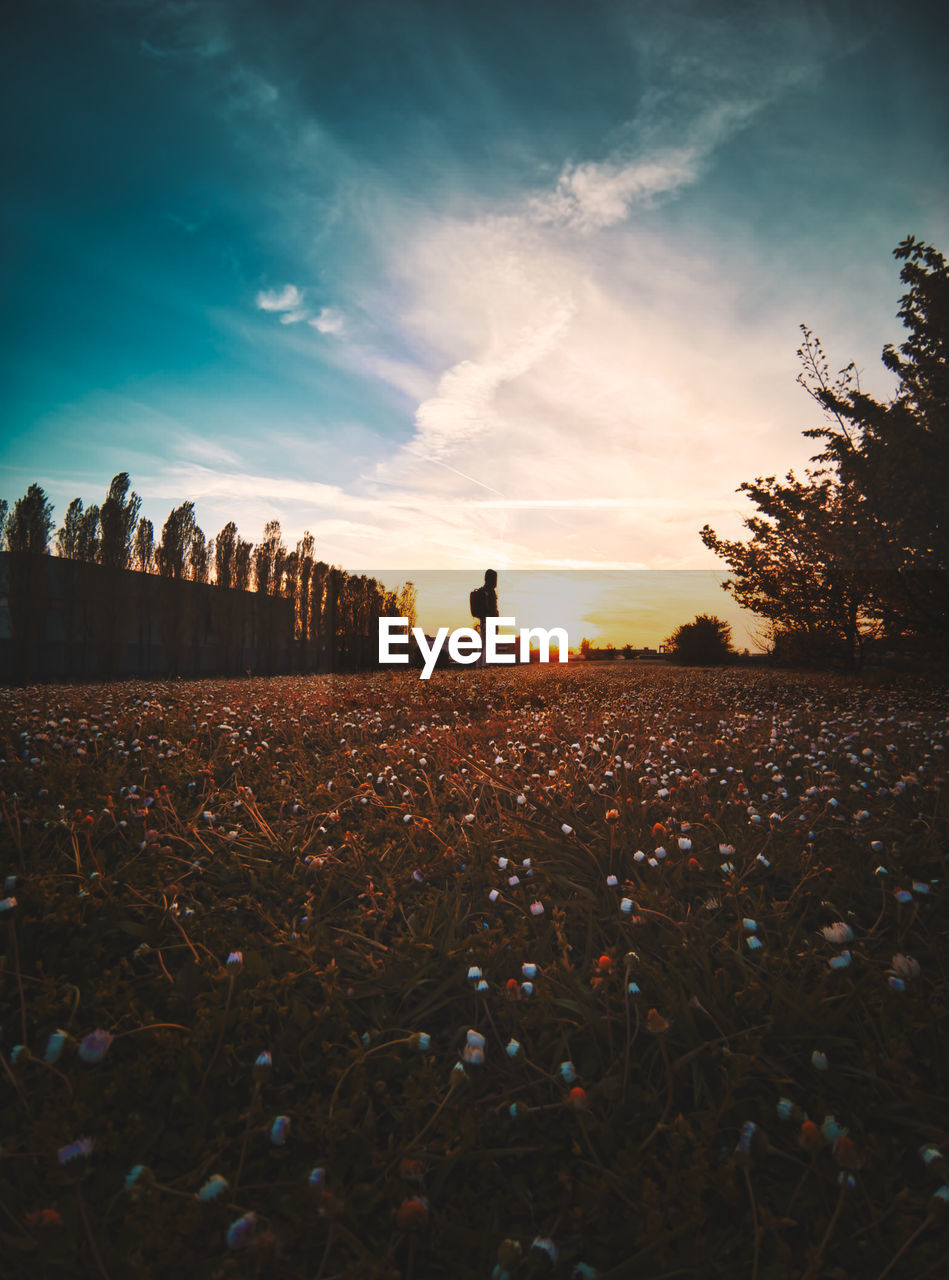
(906, 966)
(837, 932)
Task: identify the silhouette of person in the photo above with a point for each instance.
(487, 600)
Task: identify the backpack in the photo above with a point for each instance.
(476, 602)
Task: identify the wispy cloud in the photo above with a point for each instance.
(591, 196)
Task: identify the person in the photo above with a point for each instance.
(484, 605)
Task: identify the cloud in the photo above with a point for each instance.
(288, 304)
(464, 407)
(328, 321)
(288, 299)
(590, 196)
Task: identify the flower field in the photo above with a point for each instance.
(627, 972)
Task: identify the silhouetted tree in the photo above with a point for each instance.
(318, 630)
(30, 523)
(67, 539)
(171, 555)
(198, 557)
(863, 548)
(143, 548)
(707, 641)
(240, 576)
(304, 576)
(268, 560)
(117, 517)
(87, 540)
(224, 547)
(3, 522)
(895, 454)
(803, 567)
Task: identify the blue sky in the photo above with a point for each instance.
(452, 283)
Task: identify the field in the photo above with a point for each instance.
(628, 972)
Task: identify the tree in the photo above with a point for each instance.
(30, 523)
(171, 555)
(3, 521)
(198, 556)
(240, 578)
(407, 603)
(304, 572)
(67, 538)
(863, 549)
(896, 453)
(143, 548)
(706, 641)
(117, 517)
(87, 537)
(804, 568)
(224, 547)
(269, 555)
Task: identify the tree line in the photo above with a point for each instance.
(329, 616)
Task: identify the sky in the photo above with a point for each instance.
(453, 283)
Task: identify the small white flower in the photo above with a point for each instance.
(906, 966)
(838, 932)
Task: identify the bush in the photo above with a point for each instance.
(705, 642)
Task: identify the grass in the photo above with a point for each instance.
(377, 1082)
